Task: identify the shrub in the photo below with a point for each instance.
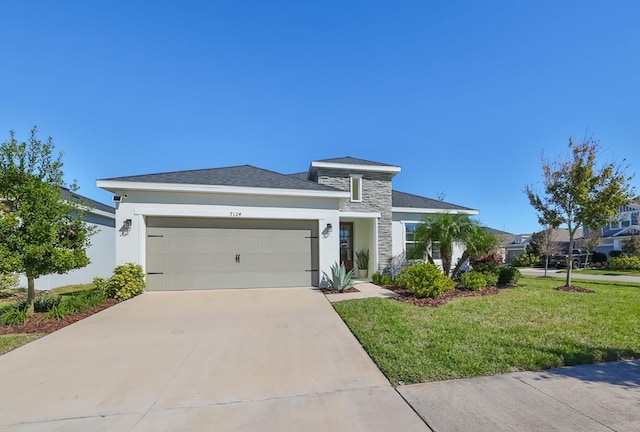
(5, 293)
(491, 278)
(45, 303)
(624, 263)
(375, 278)
(340, 277)
(473, 281)
(615, 253)
(13, 316)
(525, 260)
(9, 281)
(386, 280)
(127, 282)
(58, 312)
(509, 275)
(424, 280)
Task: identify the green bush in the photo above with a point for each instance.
(13, 316)
(509, 275)
(9, 281)
(615, 254)
(624, 263)
(525, 260)
(491, 278)
(386, 280)
(424, 280)
(375, 278)
(127, 282)
(58, 312)
(473, 281)
(46, 302)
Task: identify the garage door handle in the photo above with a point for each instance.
(237, 258)
(155, 273)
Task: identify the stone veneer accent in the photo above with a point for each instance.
(376, 197)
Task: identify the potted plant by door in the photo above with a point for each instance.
(362, 261)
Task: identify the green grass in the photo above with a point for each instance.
(12, 341)
(530, 327)
(605, 272)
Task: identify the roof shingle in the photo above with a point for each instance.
(403, 199)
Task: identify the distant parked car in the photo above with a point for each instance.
(561, 260)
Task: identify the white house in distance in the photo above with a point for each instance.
(244, 227)
(101, 252)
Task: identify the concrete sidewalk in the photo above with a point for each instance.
(601, 397)
(230, 360)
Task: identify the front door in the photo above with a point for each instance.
(346, 244)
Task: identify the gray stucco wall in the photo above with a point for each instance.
(376, 197)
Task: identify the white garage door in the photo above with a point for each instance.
(199, 253)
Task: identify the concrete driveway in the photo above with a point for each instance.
(232, 360)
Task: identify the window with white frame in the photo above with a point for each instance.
(411, 248)
(435, 250)
(356, 187)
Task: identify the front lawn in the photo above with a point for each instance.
(605, 272)
(10, 342)
(530, 327)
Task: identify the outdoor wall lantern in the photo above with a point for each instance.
(126, 224)
(329, 228)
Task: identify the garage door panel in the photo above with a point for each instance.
(210, 257)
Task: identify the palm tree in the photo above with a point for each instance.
(446, 229)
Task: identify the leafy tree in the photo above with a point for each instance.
(590, 241)
(41, 230)
(631, 247)
(448, 229)
(580, 192)
(546, 243)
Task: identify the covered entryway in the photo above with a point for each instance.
(206, 253)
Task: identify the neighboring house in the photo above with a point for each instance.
(243, 227)
(516, 244)
(506, 240)
(101, 252)
(622, 227)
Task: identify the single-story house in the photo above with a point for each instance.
(243, 226)
(101, 252)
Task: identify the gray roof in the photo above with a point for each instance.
(506, 238)
(300, 175)
(66, 193)
(353, 161)
(243, 176)
(403, 199)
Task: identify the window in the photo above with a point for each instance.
(435, 250)
(356, 187)
(412, 251)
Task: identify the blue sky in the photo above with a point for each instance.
(465, 96)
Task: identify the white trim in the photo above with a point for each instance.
(356, 167)
(195, 210)
(142, 242)
(428, 211)
(375, 247)
(112, 185)
(359, 215)
(625, 230)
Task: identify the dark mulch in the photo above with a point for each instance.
(575, 289)
(38, 323)
(335, 291)
(407, 297)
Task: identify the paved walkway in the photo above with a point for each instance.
(233, 360)
(601, 397)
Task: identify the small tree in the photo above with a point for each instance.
(448, 229)
(579, 192)
(547, 244)
(589, 242)
(41, 231)
(631, 247)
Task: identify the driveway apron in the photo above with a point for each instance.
(228, 360)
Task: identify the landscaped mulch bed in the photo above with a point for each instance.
(38, 323)
(335, 291)
(575, 289)
(406, 296)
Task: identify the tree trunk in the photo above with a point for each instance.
(31, 293)
(569, 259)
(546, 264)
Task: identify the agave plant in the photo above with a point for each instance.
(340, 277)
